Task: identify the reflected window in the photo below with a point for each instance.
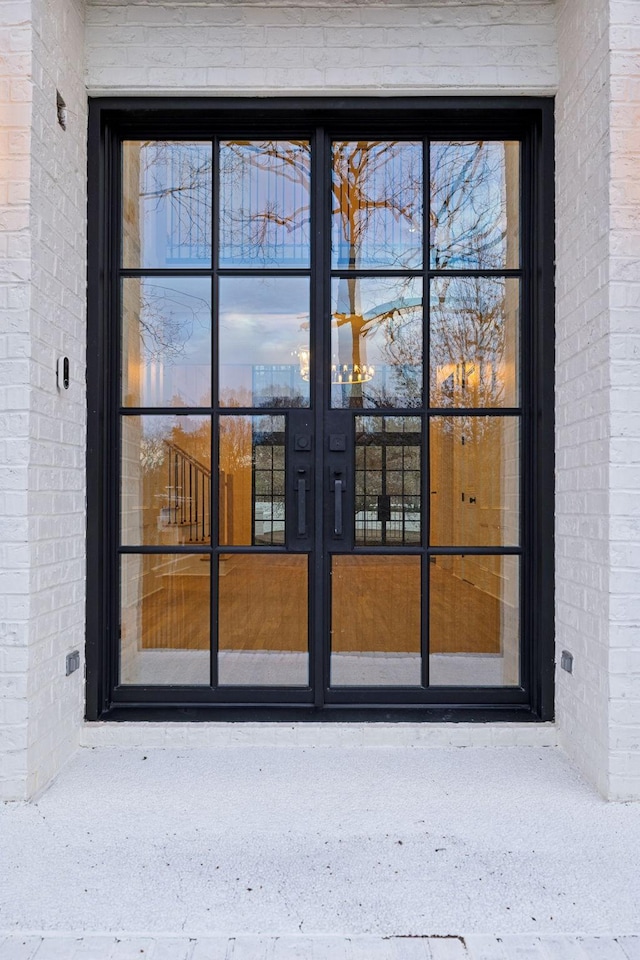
(475, 199)
(166, 204)
(474, 341)
(166, 480)
(166, 342)
(264, 329)
(264, 203)
(376, 342)
(252, 481)
(388, 480)
(377, 204)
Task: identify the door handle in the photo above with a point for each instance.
(302, 503)
(338, 486)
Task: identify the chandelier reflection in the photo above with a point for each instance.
(351, 373)
(341, 373)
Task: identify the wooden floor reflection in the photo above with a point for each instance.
(376, 606)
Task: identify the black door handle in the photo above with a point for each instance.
(302, 503)
(338, 485)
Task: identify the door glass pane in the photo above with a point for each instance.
(164, 625)
(264, 203)
(377, 205)
(166, 342)
(166, 204)
(375, 621)
(252, 481)
(264, 342)
(166, 480)
(475, 199)
(388, 480)
(376, 342)
(474, 633)
(474, 323)
(263, 620)
(475, 481)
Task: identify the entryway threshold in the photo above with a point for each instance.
(310, 734)
(312, 842)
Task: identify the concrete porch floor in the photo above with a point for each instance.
(248, 841)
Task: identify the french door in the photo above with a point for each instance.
(319, 413)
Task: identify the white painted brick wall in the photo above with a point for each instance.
(15, 349)
(624, 469)
(42, 437)
(309, 47)
(598, 397)
(582, 396)
(57, 426)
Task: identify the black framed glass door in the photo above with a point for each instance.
(319, 409)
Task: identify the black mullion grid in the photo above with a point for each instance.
(525, 337)
(257, 693)
(320, 349)
(451, 692)
(174, 271)
(120, 274)
(425, 453)
(114, 424)
(427, 272)
(214, 487)
(432, 412)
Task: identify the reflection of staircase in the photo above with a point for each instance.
(188, 510)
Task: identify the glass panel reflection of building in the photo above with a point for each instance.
(277, 385)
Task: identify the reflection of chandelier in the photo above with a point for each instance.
(347, 373)
(341, 373)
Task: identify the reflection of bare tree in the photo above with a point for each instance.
(467, 217)
(468, 339)
(377, 202)
(265, 200)
(179, 176)
(167, 320)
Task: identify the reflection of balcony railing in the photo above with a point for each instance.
(189, 496)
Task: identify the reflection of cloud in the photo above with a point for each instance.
(262, 320)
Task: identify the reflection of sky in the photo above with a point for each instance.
(468, 185)
(263, 320)
(176, 340)
(389, 175)
(175, 204)
(264, 203)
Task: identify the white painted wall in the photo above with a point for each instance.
(57, 418)
(582, 395)
(624, 404)
(598, 396)
(42, 436)
(15, 348)
(310, 47)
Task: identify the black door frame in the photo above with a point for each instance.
(527, 119)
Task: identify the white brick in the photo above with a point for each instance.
(483, 48)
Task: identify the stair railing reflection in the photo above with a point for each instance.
(189, 495)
